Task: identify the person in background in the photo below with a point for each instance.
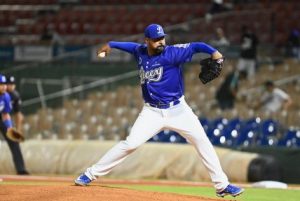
(220, 40)
(247, 60)
(217, 6)
(293, 44)
(51, 37)
(273, 99)
(10, 95)
(227, 92)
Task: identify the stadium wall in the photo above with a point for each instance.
(156, 161)
(150, 161)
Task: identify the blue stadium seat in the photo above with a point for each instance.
(267, 141)
(215, 131)
(205, 123)
(162, 136)
(232, 130)
(235, 123)
(176, 138)
(219, 122)
(253, 122)
(290, 139)
(168, 136)
(269, 127)
(247, 135)
(228, 131)
(221, 140)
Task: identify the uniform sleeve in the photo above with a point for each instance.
(198, 47)
(16, 102)
(282, 94)
(129, 47)
(182, 53)
(7, 104)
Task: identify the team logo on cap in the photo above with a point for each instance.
(160, 30)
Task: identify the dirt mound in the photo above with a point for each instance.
(67, 192)
(59, 188)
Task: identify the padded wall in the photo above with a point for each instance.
(152, 160)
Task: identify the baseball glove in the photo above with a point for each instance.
(14, 135)
(210, 69)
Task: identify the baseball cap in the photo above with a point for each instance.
(10, 80)
(2, 79)
(154, 31)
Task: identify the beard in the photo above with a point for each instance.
(159, 49)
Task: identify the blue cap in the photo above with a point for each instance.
(2, 79)
(154, 31)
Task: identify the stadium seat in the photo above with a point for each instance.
(269, 127)
(231, 131)
(176, 138)
(253, 122)
(291, 138)
(247, 134)
(162, 136)
(205, 123)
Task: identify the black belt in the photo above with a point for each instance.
(164, 105)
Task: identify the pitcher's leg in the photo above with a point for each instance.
(147, 125)
(209, 158)
(194, 132)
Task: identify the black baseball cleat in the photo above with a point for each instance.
(23, 172)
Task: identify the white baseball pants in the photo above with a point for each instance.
(179, 118)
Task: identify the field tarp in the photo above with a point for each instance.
(150, 161)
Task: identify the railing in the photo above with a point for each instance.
(66, 92)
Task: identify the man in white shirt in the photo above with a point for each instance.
(274, 99)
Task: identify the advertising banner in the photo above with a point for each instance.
(33, 53)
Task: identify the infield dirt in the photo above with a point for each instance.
(14, 188)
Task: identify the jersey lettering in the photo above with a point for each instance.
(153, 75)
(186, 45)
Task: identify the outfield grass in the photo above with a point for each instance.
(250, 194)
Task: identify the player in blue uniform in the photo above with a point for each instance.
(161, 79)
(15, 104)
(5, 106)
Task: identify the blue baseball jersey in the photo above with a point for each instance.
(161, 75)
(5, 105)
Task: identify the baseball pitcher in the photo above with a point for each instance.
(161, 79)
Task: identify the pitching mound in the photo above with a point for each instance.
(62, 189)
(74, 193)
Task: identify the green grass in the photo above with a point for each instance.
(250, 194)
